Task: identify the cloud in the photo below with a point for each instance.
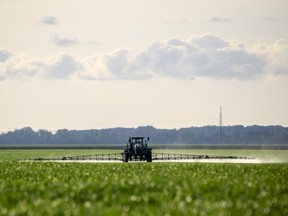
(64, 41)
(4, 54)
(208, 41)
(276, 56)
(205, 55)
(49, 20)
(120, 64)
(60, 66)
(219, 19)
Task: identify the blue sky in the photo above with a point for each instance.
(170, 64)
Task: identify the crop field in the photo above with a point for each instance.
(51, 188)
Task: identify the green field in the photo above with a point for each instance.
(47, 188)
(263, 155)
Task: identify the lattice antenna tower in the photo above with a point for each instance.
(220, 127)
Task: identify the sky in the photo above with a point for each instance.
(94, 64)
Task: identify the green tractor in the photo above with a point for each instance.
(137, 149)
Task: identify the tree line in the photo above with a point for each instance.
(193, 135)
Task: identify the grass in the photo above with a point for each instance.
(49, 153)
(47, 188)
(35, 188)
(265, 155)
(280, 156)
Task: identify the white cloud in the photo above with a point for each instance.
(4, 54)
(58, 41)
(200, 56)
(276, 56)
(208, 41)
(49, 20)
(219, 19)
(204, 55)
(61, 66)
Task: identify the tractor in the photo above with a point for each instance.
(137, 149)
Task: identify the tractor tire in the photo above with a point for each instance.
(126, 157)
(149, 157)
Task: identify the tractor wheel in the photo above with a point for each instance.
(149, 157)
(126, 157)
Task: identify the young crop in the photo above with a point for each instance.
(42, 188)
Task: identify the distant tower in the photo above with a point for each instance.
(220, 126)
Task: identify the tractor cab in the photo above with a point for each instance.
(137, 149)
(137, 141)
